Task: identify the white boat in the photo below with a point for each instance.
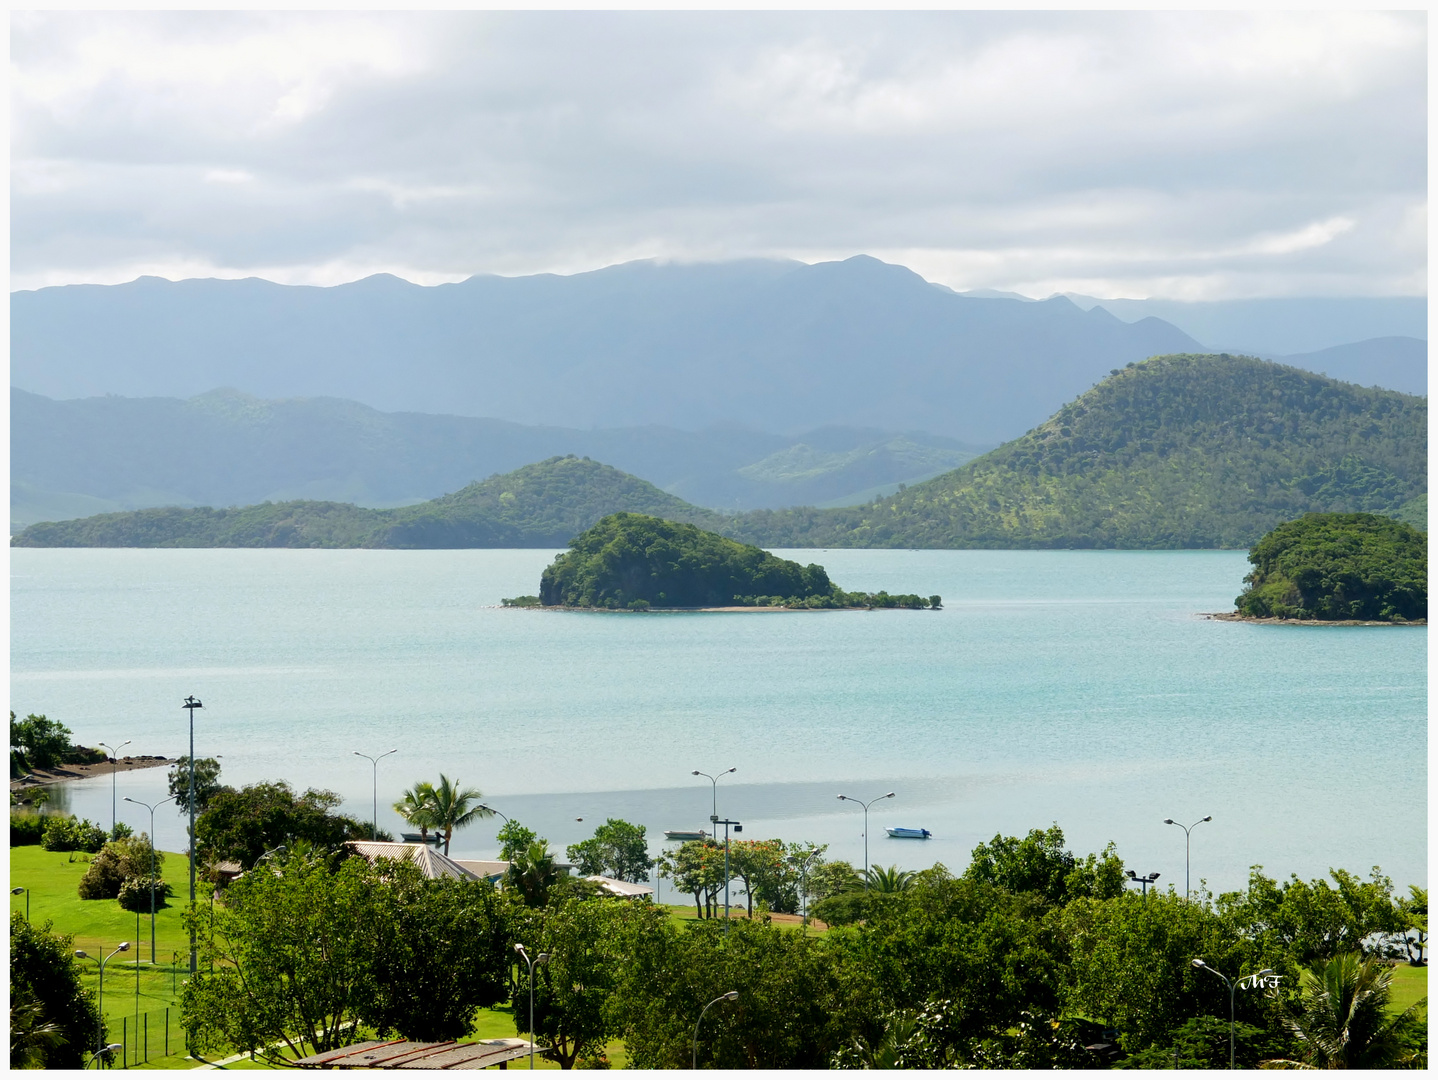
(685, 834)
(901, 833)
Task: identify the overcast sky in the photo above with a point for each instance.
(1191, 156)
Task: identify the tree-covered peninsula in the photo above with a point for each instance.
(635, 562)
(1338, 567)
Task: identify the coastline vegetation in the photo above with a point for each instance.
(1332, 567)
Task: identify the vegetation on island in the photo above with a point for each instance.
(1183, 451)
(635, 562)
(37, 742)
(1339, 567)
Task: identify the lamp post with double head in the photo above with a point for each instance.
(192, 703)
(1139, 879)
(732, 995)
(866, 805)
(542, 958)
(100, 1046)
(1187, 891)
(714, 790)
(374, 789)
(114, 776)
(1233, 985)
(151, 807)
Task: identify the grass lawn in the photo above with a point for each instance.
(1409, 984)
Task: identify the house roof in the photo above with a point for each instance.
(431, 863)
(485, 868)
(615, 887)
(403, 1054)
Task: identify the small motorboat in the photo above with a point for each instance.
(900, 833)
(685, 834)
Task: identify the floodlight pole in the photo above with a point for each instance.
(192, 703)
(866, 805)
(114, 771)
(374, 789)
(151, 807)
(1186, 829)
(738, 827)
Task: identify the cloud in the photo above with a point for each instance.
(1202, 152)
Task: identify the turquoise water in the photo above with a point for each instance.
(1077, 687)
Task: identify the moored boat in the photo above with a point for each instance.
(685, 834)
(900, 833)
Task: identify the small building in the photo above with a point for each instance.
(627, 890)
(431, 863)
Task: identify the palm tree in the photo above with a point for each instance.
(455, 808)
(417, 808)
(1343, 1020)
(533, 873)
(892, 880)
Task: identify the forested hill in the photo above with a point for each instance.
(540, 505)
(1183, 451)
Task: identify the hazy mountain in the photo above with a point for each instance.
(1395, 363)
(773, 346)
(1178, 451)
(1175, 452)
(77, 458)
(1290, 327)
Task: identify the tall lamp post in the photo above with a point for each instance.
(114, 776)
(732, 995)
(124, 946)
(1233, 985)
(151, 807)
(714, 790)
(192, 703)
(374, 789)
(866, 805)
(542, 958)
(1186, 830)
(16, 892)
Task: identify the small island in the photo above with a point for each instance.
(634, 562)
(1338, 568)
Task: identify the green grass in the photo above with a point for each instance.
(1409, 985)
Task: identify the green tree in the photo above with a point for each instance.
(418, 809)
(761, 866)
(243, 825)
(1412, 913)
(455, 807)
(441, 952)
(532, 874)
(207, 783)
(58, 1021)
(1341, 1016)
(117, 861)
(515, 838)
(889, 880)
(1040, 864)
(1313, 920)
(41, 743)
(617, 850)
(696, 867)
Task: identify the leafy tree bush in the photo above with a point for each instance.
(45, 984)
(1312, 920)
(135, 893)
(72, 834)
(617, 850)
(207, 783)
(118, 860)
(242, 825)
(41, 743)
(1339, 566)
(514, 838)
(1040, 864)
(26, 829)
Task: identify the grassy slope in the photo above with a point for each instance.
(1179, 451)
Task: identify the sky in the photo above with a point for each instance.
(1196, 156)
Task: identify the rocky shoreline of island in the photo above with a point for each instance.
(1271, 620)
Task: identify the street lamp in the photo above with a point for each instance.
(714, 790)
(192, 703)
(114, 776)
(1144, 881)
(1233, 985)
(804, 881)
(732, 995)
(542, 958)
(151, 807)
(16, 892)
(374, 788)
(1186, 829)
(100, 998)
(866, 805)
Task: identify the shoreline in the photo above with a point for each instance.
(59, 775)
(1233, 616)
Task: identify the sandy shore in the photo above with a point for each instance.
(41, 777)
(1233, 616)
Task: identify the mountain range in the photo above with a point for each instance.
(1179, 451)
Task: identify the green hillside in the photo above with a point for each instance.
(1183, 451)
(540, 505)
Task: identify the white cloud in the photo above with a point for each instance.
(1196, 152)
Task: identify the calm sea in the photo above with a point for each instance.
(1076, 687)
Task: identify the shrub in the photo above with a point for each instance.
(72, 834)
(26, 829)
(117, 861)
(135, 893)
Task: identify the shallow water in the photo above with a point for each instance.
(1078, 687)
